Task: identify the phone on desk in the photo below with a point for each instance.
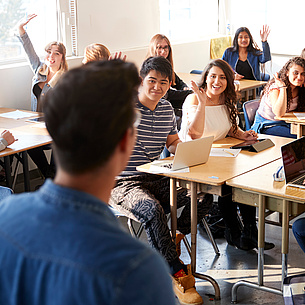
(246, 144)
(38, 119)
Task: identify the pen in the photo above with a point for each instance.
(228, 152)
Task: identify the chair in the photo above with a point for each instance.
(196, 72)
(249, 109)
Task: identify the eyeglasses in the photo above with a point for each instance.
(165, 48)
(137, 119)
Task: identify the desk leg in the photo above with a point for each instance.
(285, 237)
(8, 174)
(299, 131)
(247, 95)
(173, 206)
(194, 241)
(254, 93)
(261, 244)
(26, 173)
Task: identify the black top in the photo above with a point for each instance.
(37, 91)
(243, 68)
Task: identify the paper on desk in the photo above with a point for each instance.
(17, 114)
(156, 168)
(300, 115)
(224, 152)
(39, 125)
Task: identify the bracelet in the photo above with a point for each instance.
(282, 87)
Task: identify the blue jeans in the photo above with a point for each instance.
(274, 128)
(298, 229)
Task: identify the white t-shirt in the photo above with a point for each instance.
(217, 121)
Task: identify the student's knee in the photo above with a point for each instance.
(298, 227)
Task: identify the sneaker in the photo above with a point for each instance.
(184, 288)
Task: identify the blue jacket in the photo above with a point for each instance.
(254, 60)
(60, 246)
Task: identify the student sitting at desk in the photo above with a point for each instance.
(284, 93)
(146, 197)
(160, 46)
(46, 75)
(298, 229)
(209, 111)
(245, 57)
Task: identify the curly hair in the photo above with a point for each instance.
(152, 51)
(229, 93)
(299, 61)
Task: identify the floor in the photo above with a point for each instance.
(233, 264)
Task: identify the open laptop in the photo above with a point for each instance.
(188, 154)
(293, 156)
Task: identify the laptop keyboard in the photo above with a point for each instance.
(300, 180)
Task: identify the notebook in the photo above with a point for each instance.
(188, 154)
(293, 156)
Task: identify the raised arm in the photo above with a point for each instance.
(27, 44)
(266, 55)
(278, 98)
(196, 126)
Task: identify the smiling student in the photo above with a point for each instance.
(284, 93)
(245, 57)
(146, 197)
(211, 110)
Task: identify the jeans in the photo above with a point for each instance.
(298, 229)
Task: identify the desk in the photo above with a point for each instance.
(257, 188)
(246, 86)
(296, 126)
(202, 178)
(28, 137)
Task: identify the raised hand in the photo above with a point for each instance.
(200, 93)
(23, 22)
(264, 32)
(278, 81)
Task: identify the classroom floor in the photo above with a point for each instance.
(233, 264)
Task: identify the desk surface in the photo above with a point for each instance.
(245, 84)
(261, 180)
(290, 118)
(28, 134)
(220, 169)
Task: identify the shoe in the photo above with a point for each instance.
(179, 237)
(233, 237)
(184, 288)
(249, 239)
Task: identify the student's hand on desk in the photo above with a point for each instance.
(8, 136)
(250, 135)
(238, 76)
(264, 32)
(200, 93)
(118, 56)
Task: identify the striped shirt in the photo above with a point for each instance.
(152, 133)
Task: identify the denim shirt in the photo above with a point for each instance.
(254, 60)
(63, 246)
(40, 75)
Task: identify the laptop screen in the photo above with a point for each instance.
(293, 155)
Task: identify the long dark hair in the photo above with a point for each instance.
(284, 78)
(229, 93)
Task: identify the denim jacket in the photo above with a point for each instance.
(63, 246)
(254, 60)
(40, 73)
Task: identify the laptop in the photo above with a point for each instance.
(293, 156)
(188, 154)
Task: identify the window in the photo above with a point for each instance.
(51, 24)
(182, 20)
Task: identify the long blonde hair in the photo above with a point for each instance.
(95, 51)
(153, 48)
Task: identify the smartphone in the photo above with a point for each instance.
(39, 119)
(246, 144)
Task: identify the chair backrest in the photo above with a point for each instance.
(249, 109)
(5, 192)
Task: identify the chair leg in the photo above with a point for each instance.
(207, 228)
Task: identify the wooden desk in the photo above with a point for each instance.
(28, 137)
(257, 188)
(296, 126)
(246, 87)
(210, 178)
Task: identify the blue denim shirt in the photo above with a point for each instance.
(254, 60)
(63, 246)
